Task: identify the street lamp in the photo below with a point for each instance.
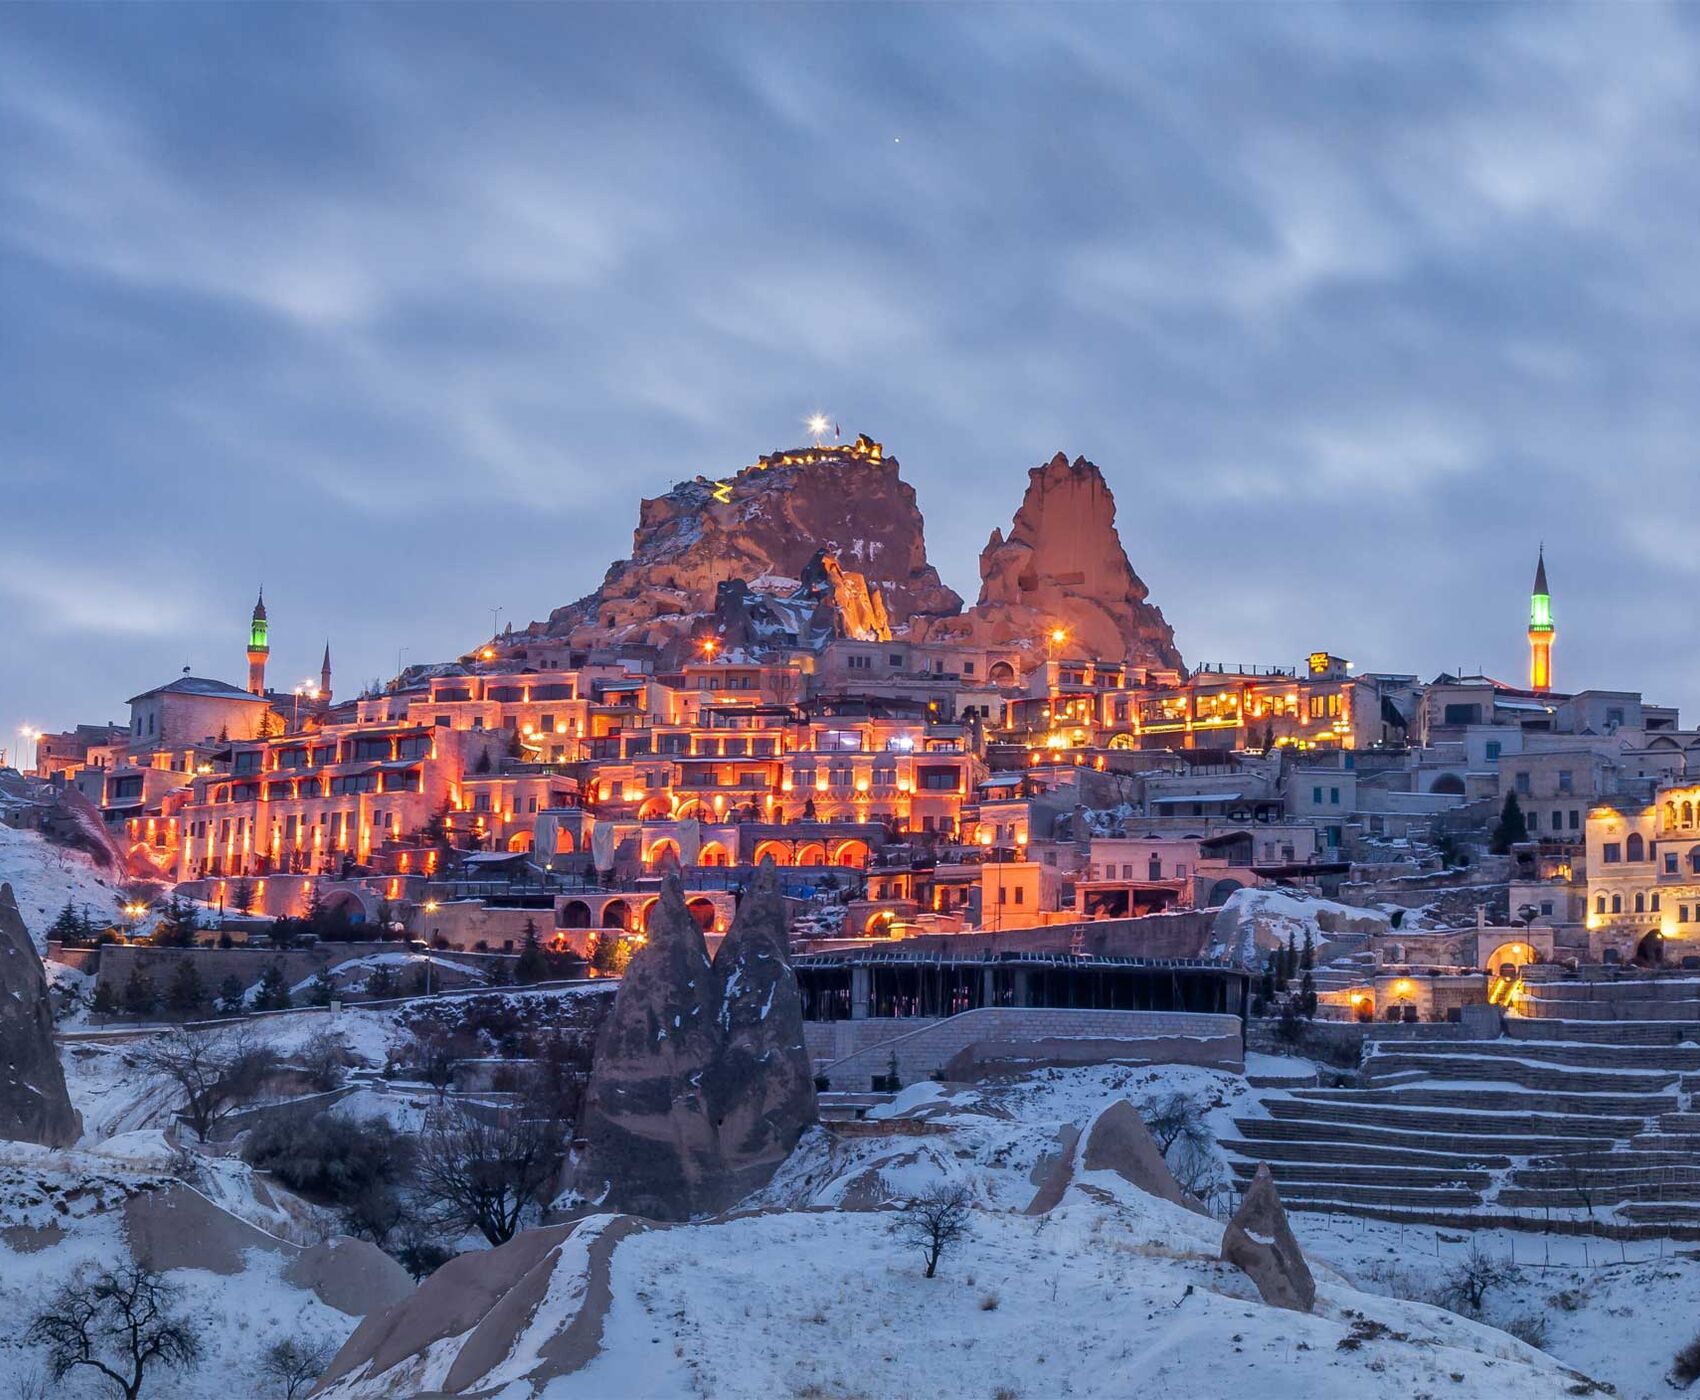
(29, 734)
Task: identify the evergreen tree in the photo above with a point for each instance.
(1290, 959)
(68, 925)
(532, 966)
(1513, 826)
(273, 993)
(178, 924)
(1278, 968)
(105, 1000)
(1307, 955)
(230, 995)
(242, 895)
(611, 955)
(185, 995)
(381, 983)
(1266, 988)
(1307, 995)
(139, 998)
(323, 989)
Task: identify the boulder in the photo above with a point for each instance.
(34, 1104)
(1117, 1141)
(651, 1144)
(1062, 565)
(761, 1087)
(1259, 1242)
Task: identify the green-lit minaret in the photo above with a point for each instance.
(1541, 630)
(259, 648)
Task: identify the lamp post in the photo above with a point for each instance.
(30, 735)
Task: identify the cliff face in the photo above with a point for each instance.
(767, 523)
(1062, 565)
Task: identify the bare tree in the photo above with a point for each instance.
(934, 1221)
(119, 1322)
(216, 1070)
(1174, 1118)
(485, 1171)
(295, 1365)
(1465, 1289)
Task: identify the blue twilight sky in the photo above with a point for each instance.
(398, 310)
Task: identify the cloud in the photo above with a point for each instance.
(400, 311)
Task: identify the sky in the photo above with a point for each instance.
(399, 310)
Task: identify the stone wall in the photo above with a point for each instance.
(213, 965)
(1183, 934)
(850, 1053)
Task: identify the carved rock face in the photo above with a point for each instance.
(1259, 1242)
(34, 1105)
(770, 526)
(650, 1138)
(701, 1084)
(761, 1087)
(1063, 566)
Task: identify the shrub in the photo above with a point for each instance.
(331, 1157)
(1527, 1327)
(1685, 1369)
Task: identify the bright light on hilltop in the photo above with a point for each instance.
(819, 426)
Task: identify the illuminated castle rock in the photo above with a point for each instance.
(768, 525)
(1541, 630)
(1062, 569)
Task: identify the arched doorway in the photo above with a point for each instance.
(774, 850)
(1508, 958)
(616, 913)
(646, 912)
(702, 910)
(563, 841)
(714, 853)
(1220, 892)
(1448, 784)
(851, 853)
(520, 841)
(879, 923)
(1001, 673)
(660, 851)
(656, 809)
(811, 853)
(575, 913)
(1651, 949)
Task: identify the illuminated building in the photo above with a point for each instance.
(1541, 631)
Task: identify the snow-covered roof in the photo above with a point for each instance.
(1196, 797)
(199, 685)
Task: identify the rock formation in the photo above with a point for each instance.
(701, 1084)
(1062, 565)
(1118, 1141)
(1259, 1242)
(34, 1105)
(651, 1146)
(827, 602)
(764, 525)
(761, 1086)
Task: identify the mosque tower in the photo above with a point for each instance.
(325, 677)
(1541, 630)
(258, 647)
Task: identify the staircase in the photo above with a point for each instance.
(1570, 1126)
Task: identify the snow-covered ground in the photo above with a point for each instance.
(44, 876)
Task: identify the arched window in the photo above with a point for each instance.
(1600, 904)
(1688, 814)
(1653, 903)
(1635, 848)
(1617, 904)
(1640, 903)
(1694, 859)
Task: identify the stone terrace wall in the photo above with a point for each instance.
(925, 1046)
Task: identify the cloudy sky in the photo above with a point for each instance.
(399, 310)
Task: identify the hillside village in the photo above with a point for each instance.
(770, 955)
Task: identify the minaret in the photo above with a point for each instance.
(258, 647)
(1541, 630)
(325, 677)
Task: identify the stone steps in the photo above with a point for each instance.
(1351, 1135)
(1640, 1106)
(1279, 1150)
(1548, 1078)
(1557, 1052)
(1305, 1196)
(1313, 1174)
(1621, 1033)
(1441, 1122)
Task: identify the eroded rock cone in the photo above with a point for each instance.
(651, 1144)
(1119, 1141)
(34, 1105)
(761, 1088)
(1259, 1242)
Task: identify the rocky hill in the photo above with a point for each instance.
(825, 541)
(1062, 565)
(763, 526)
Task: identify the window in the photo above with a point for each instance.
(1566, 781)
(895, 658)
(1522, 781)
(1612, 852)
(1617, 904)
(1600, 905)
(1546, 907)
(1653, 903)
(1333, 797)
(1640, 903)
(1493, 749)
(1316, 796)
(1534, 822)
(1635, 848)
(1670, 863)
(1575, 819)
(967, 668)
